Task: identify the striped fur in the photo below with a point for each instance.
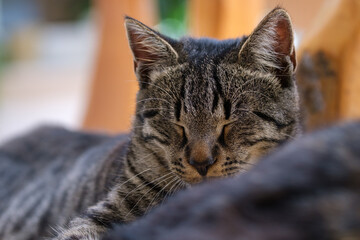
(205, 109)
(313, 195)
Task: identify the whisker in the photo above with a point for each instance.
(179, 186)
(233, 168)
(171, 191)
(233, 100)
(232, 78)
(179, 180)
(246, 163)
(239, 88)
(152, 99)
(134, 176)
(156, 196)
(152, 84)
(147, 109)
(167, 178)
(287, 135)
(172, 83)
(144, 185)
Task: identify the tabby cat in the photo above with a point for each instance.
(205, 109)
(314, 195)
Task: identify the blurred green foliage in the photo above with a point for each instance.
(64, 10)
(173, 17)
(4, 56)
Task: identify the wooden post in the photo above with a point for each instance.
(328, 73)
(112, 95)
(350, 75)
(302, 12)
(223, 19)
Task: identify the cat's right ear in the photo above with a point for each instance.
(270, 47)
(150, 49)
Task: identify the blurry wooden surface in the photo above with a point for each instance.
(328, 73)
(350, 76)
(112, 95)
(302, 12)
(223, 19)
(234, 18)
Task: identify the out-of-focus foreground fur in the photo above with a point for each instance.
(307, 190)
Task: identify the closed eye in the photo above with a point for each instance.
(224, 132)
(264, 116)
(182, 132)
(267, 118)
(179, 128)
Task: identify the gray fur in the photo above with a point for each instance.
(306, 190)
(51, 175)
(204, 110)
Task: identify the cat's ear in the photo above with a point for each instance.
(270, 47)
(149, 48)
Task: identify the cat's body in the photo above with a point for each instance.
(307, 190)
(205, 109)
(52, 175)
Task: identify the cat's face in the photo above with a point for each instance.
(212, 108)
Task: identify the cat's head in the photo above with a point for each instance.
(210, 107)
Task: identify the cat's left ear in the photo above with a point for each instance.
(270, 47)
(150, 49)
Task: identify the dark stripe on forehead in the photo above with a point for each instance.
(227, 109)
(215, 101)
(217, 82)
(182, 91)
(177, 109)
(218, 93)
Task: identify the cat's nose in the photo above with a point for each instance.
(200, 156)
(201, 165)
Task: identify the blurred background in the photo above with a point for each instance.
(67, 62)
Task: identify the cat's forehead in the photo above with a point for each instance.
(199, 51)
(202, 85)
(211, 90)
(200, 88)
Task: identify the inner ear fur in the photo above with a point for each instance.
(270, 47)
(149, 48)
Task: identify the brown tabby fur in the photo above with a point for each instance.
(205, 109)
(306, 190)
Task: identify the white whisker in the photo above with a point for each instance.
(167, 178)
